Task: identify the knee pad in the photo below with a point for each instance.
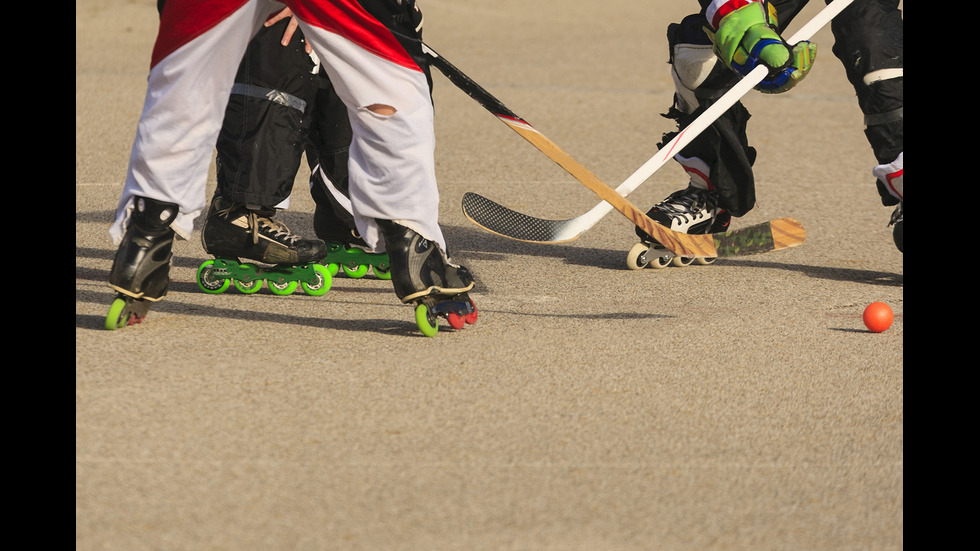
(697, 72)
(691, 58)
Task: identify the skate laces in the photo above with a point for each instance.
(257, 224)
(277, 230)
(688, 204)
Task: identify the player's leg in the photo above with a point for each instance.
(260, 147)
(194, 60)
(387, 91)
(718, 163)
(869, 42)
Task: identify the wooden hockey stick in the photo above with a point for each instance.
(679, 243)
(509, 223)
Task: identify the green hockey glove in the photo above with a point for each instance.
(745, 39)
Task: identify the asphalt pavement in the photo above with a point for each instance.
(737, 406)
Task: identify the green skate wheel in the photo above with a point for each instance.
(210, 284)
(282, 288)
(333, 268)
(382, 272)
(322, 284)
(251, 286)
(427, 322)
(357, 272)
(115, 319)
(248, 287)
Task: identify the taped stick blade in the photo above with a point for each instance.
(774, 235)
(509, 223)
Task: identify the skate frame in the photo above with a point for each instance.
(512, 224)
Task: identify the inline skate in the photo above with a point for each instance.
(691, 210)
(334, 224)
(234, 232)
(355, 261)
(140, 272)
(898, 226)
(423, 275)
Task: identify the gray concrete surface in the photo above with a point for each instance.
(738, 406)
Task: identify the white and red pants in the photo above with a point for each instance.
(197, 53)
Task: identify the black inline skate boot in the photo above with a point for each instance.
(334, 224)
(898, 226)
(141, 269)
(234, 232)
(423, 275)
(691, 210)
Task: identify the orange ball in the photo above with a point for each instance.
(878, 316)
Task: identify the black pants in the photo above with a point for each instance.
(868, 37)
(279, 109)
(268, 121)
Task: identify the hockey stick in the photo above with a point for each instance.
(681, 244)
(509, 223)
